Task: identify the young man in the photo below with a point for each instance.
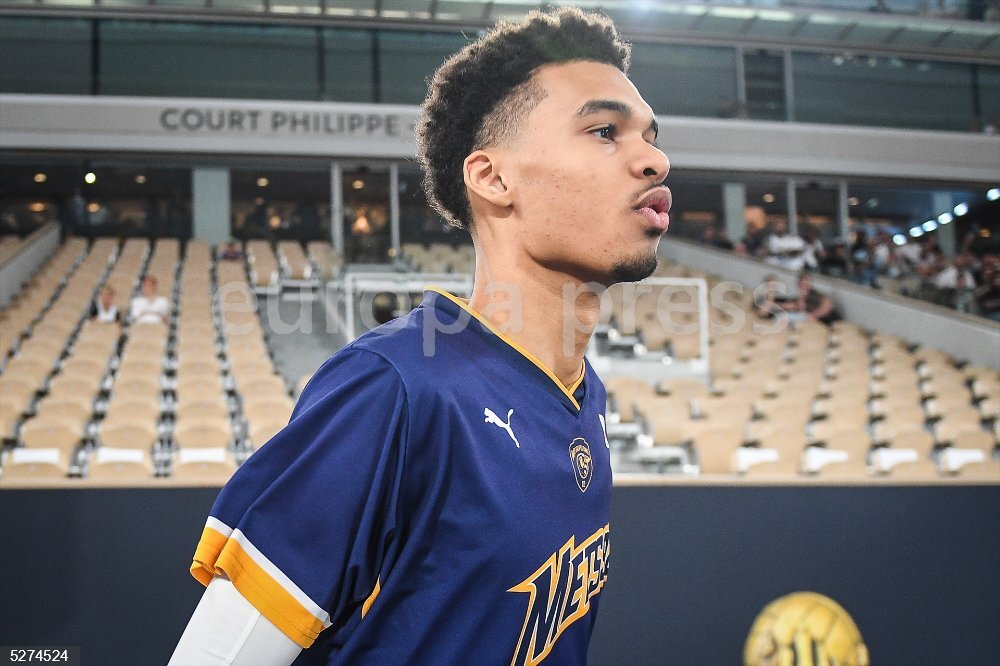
(441, 493)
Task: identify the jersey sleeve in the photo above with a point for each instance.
(304, 526)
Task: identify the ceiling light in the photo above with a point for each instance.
(140, 179)
(263, 182)
(358, 184)
(40, 177)
(899, 239)
(961, 209)
(929, 225)
(916, 232)
(90, 178)
(852, 201)
(993, 194)
(945, 218)
(768, 198)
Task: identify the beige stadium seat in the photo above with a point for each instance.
(988, 470)
(9, 416)
(34, 464)
(17, 391)
(203, 433)
(65, 409)
(128, 435)
(265, 409)
(73, 388)
(974, 439)
(84, 368)
(125, 408)
(853, 468)
(920, 469)
(920, 440)
(145, 388)
(210, 409)
(626, 390)
(204, 465)
(778, 468)
(788, 442)
(206, 366)
(947, 429)
(116, 464)
(855, 443)
(27, 371)
(715, 449)
(264, 429)
(257, 385)
(48, 434)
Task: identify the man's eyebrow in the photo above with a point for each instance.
(621, 108)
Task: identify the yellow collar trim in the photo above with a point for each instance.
(568, 391)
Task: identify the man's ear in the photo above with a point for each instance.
(482, 178)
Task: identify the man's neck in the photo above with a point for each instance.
(548, 314)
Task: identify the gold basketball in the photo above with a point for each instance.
(804, 629)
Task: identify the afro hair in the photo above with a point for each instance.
(479, 95)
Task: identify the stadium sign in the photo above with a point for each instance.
(106, 123)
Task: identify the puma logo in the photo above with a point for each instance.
(491, 417)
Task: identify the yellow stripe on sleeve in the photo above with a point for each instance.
(217, 556)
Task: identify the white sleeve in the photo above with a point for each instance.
(226, 630)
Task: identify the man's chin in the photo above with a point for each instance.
(634, 269)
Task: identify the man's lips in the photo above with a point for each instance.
(655, 207)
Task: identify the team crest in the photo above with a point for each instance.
(583, 464)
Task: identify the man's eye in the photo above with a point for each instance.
(607, 132)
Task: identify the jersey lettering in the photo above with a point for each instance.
(559, 594)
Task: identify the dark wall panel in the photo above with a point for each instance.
(691, 567)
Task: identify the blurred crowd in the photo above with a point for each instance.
(969, 281)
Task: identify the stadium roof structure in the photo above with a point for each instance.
(824, 25)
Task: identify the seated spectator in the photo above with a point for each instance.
(231, 251)
(150, 307)
(716, 237)
(769, 298)
(835, 262)
(785, 249)
(988, 298)
(104, 309)
(813, 251)
(811, 304)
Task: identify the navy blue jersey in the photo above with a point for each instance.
(437, 496)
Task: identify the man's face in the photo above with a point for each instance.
(586, 177)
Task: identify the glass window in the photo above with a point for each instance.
(418, 222)
(679, 80)
(45, 56)
(696, 210)
(767, 205)
(406, 59)
(367, 236)
(348, 72)
(208, 60)
(988, 79)
(817, 211)
(97, 199)
(764, 76)
(885, 92)
(281, 205)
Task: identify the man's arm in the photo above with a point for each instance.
(226, 630)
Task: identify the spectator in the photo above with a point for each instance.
(104, 309)
(835, 262)
(785, 249)
(813, 251)
(988, 298)
(716, 237)
(811, 304)
(958, 270)
(149, 307)
(769, 298)
(231, 251)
